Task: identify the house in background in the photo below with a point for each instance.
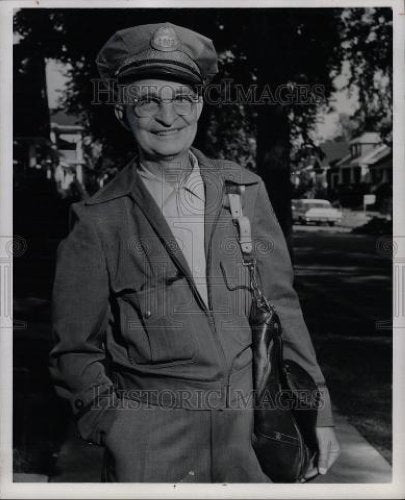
(334, 151)
(47, 145)
(311, 176)
(353, 167)
(366, 169)
(344, 172)
(379, 164)
(67, 139)
(31, 141)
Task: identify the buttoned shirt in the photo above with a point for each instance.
(181, 199)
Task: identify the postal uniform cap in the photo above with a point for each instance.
(158, 50)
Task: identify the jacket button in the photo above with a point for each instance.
(79, 404)
(147, 314)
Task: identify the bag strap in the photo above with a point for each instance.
(242, 222)
(235, 192)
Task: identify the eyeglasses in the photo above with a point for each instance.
(183, 105)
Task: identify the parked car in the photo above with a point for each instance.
(317, 211)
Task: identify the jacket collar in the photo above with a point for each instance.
(121, 185)
(214, 174)
(124, 182)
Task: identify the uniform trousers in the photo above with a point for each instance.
(155, 444)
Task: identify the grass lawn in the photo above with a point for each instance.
(358, 372)
(346, 295)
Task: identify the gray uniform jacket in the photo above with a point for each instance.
(130, 326)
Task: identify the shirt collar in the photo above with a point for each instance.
(124, 184)
(193, 183)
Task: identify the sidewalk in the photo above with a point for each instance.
(359, 462)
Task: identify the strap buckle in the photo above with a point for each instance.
(243, 223)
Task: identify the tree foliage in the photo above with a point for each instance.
(265, 48)
(255, 46)
(366, 45)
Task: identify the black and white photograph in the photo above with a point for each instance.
(201, 251)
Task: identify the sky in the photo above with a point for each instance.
(55, 81)
(326, 127)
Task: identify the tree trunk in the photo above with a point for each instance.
(273, 150)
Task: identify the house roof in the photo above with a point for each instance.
(369, 158)
(367, 138)
(376, 155)
(344, 161)
(334, 150)
(62, 119)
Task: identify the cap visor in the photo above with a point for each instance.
(164, 72)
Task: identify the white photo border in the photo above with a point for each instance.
(8, 489)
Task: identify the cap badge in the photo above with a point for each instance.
(165, 39)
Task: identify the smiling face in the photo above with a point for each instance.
(160, 123)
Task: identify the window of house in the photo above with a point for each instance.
(376, 176)
(356, 174)
(346, 176)
(355, 150)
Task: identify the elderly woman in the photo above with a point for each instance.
(151, 303)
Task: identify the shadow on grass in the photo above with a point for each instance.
(346, 296)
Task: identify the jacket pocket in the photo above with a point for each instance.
(157, 323)
(236, 275)
(238, 300)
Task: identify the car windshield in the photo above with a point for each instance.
(317, 204)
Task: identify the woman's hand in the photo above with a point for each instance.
(328, 452)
